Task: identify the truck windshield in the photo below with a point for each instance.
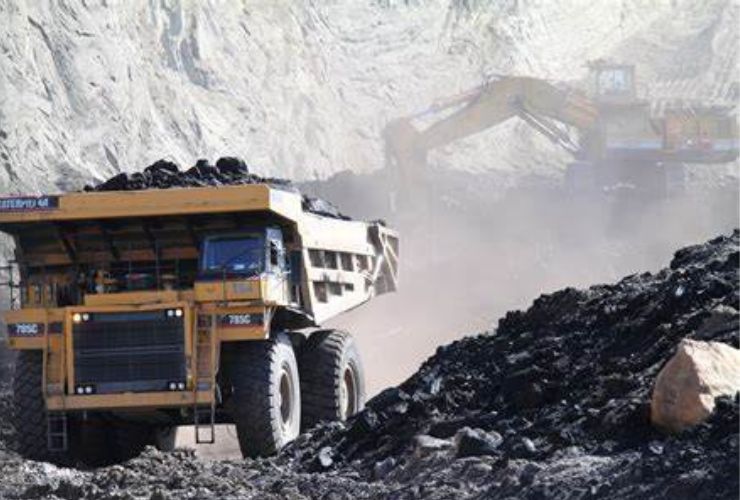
(242, 254)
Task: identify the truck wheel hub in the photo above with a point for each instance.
(347, 394)
(286, 398)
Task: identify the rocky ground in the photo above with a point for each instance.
(557, 398)
(552, 404)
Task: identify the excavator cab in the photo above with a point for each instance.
(613, 83)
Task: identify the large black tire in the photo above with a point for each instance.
(266, 398)
(91, 440)
(165, 438)
(132, 437)
(29, 415)
(332, 378)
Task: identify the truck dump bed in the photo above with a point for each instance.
(165, 228)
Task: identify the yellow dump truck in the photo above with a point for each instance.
(139, 311)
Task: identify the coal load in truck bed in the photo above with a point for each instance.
(565, 383)
(227, 171)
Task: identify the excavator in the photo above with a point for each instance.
(620, 139)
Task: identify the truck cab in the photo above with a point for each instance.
(247, 264)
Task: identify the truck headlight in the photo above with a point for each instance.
(80, 317)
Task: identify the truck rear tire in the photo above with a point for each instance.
(165, 438)
(332, 378)
(132, 437)
(266, 395)
(91, 440)
(29, 414)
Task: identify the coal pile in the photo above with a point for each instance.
(564, 385)
(228, 171)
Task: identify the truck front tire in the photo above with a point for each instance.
(29, 413)
(332, 378)
(266, 394)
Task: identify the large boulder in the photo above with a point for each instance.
(688, 384)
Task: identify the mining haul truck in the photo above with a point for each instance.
(136, 312)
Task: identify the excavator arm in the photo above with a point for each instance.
(538, 102)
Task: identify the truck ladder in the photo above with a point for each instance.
(57, 438)
(56, 431)
(205, 380)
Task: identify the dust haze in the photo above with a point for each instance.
(472, 252)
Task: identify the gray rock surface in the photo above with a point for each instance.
(304, 89)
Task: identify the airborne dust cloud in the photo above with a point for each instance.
(469, 254)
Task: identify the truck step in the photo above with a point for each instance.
(56, 431)
(205, 424)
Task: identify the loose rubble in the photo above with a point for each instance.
(552, 404)
(228, 171)
(569, 378)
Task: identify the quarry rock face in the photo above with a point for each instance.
(689, 383)
(92, 89)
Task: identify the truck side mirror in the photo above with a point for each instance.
(274, 254)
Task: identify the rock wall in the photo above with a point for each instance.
(303, 90)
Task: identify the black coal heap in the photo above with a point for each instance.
(572, 374)
(228, 171)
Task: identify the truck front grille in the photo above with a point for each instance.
(129, 351)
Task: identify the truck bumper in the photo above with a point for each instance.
(139, 400)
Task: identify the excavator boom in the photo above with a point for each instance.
(612, 126)
(536, 101)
